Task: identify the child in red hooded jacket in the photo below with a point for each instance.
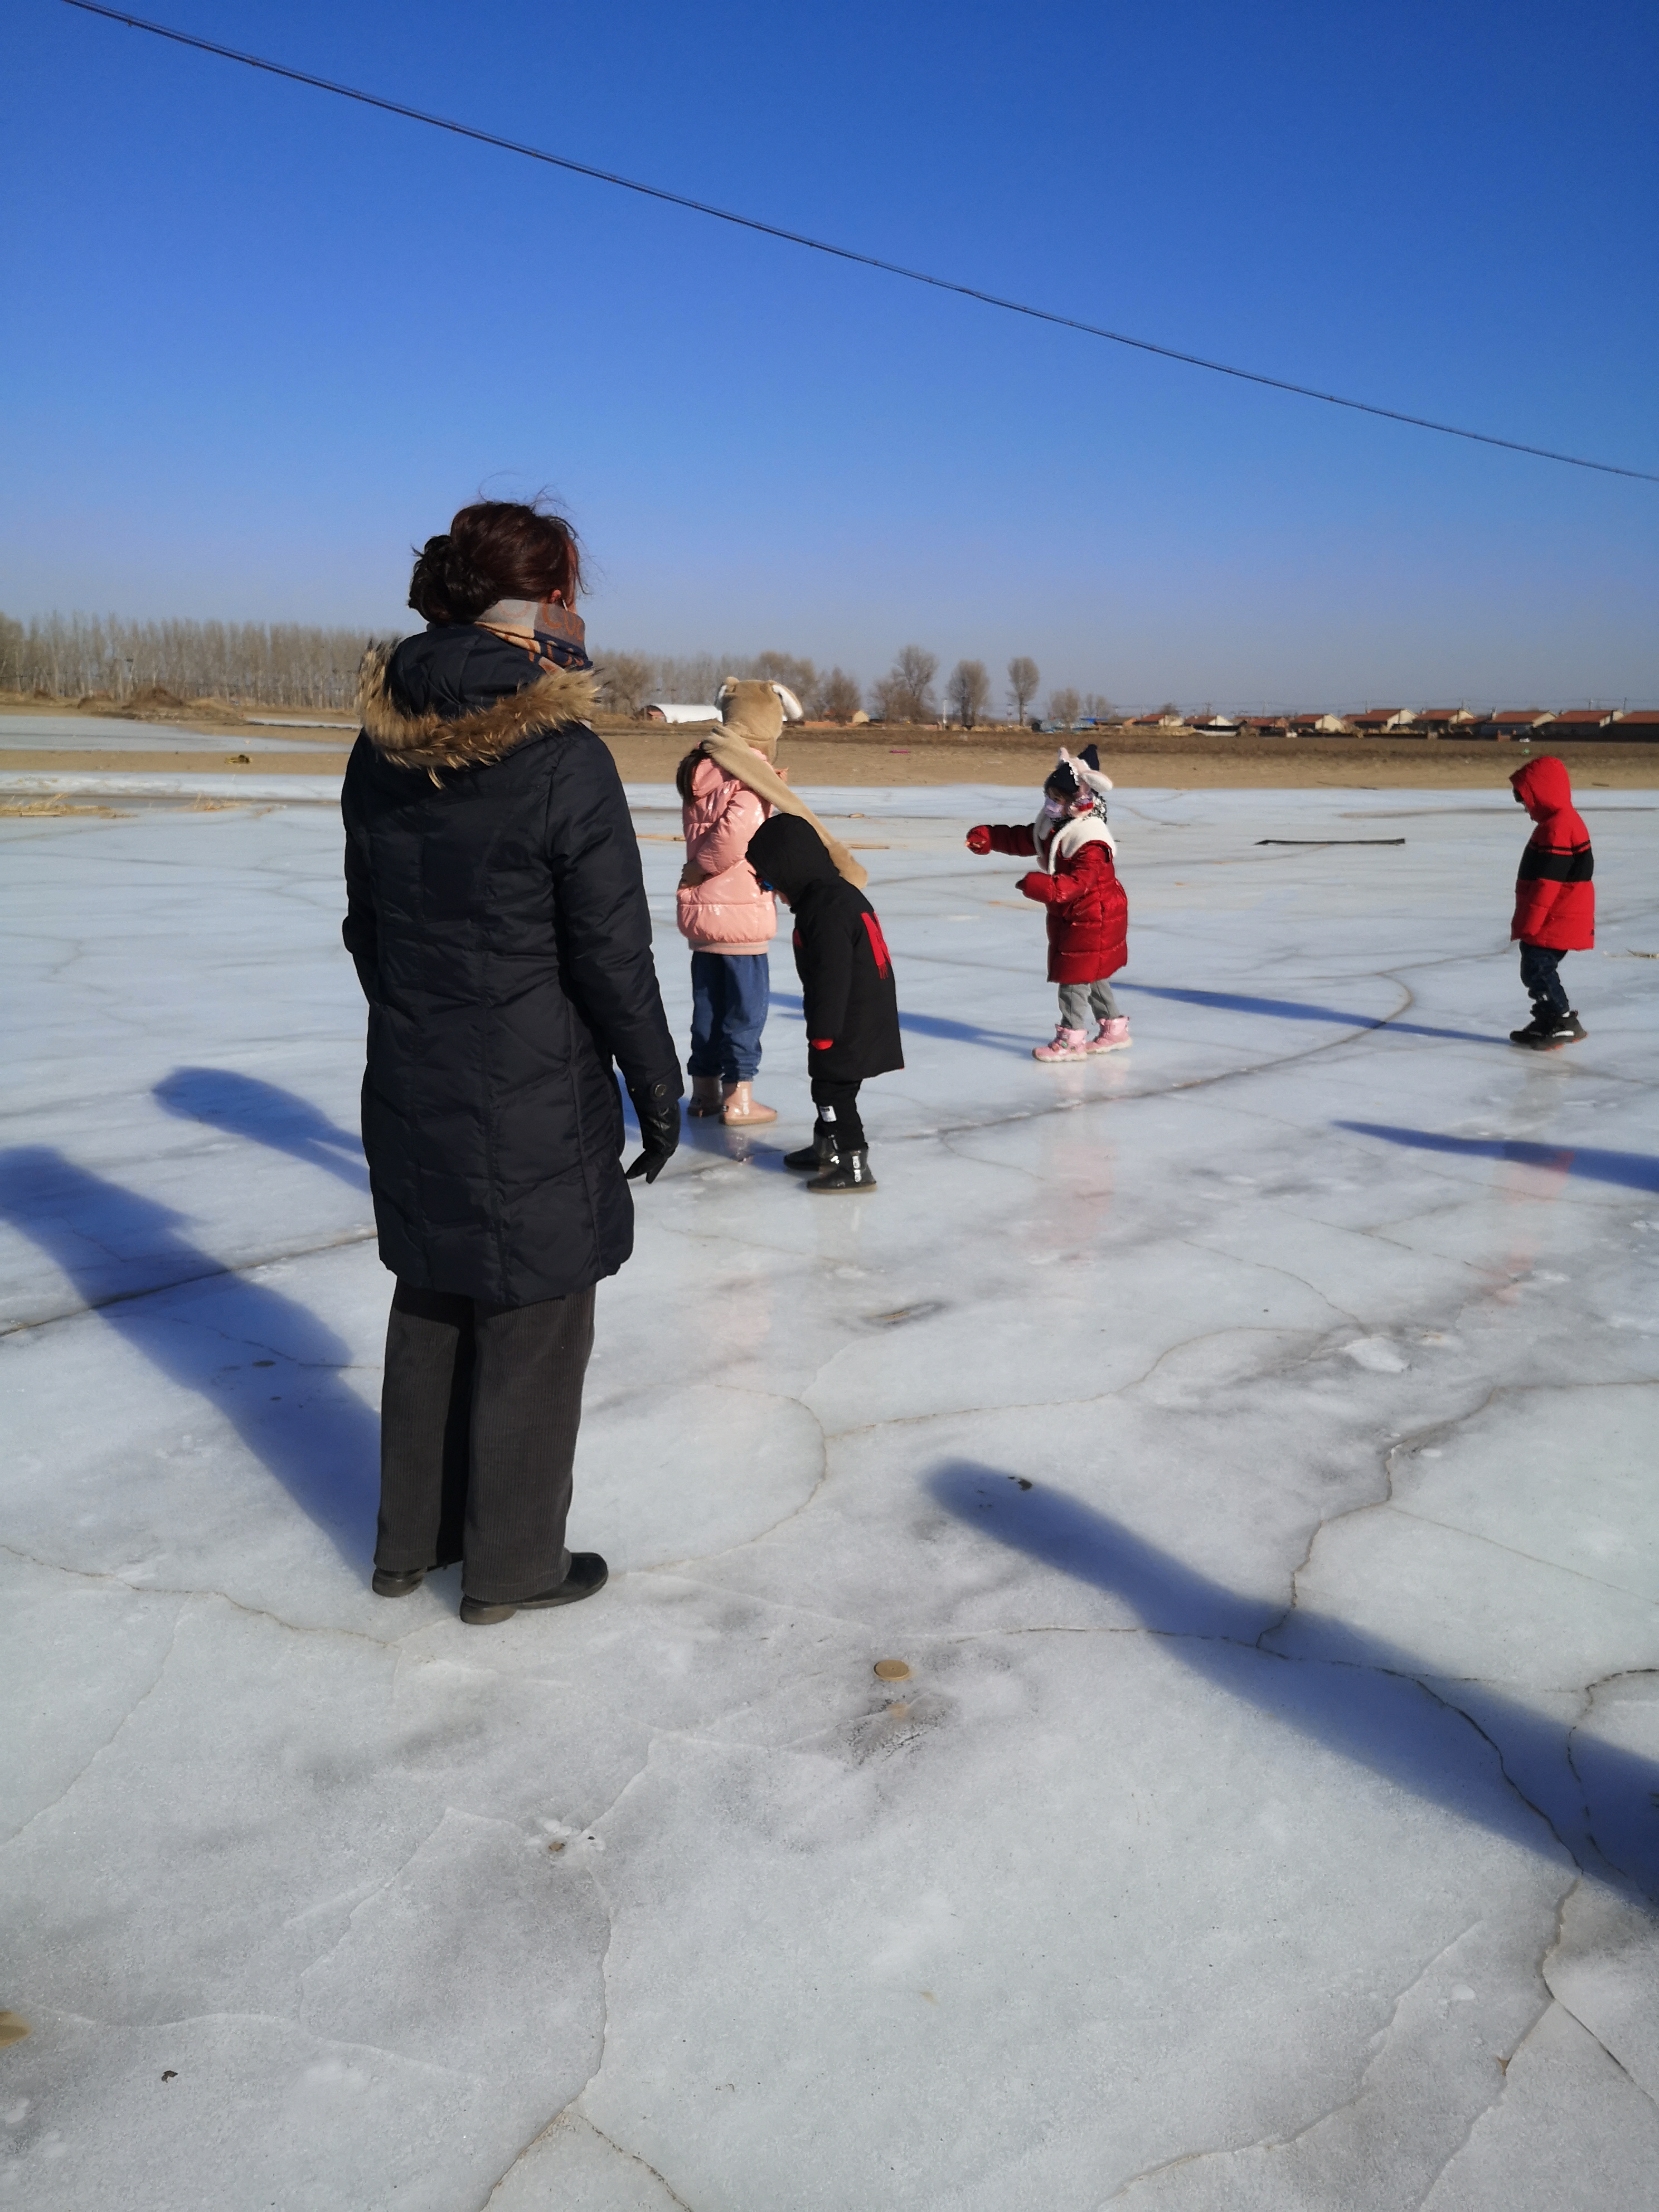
(1088, 911)
(1554, 902)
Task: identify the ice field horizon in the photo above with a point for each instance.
(1246, 1441)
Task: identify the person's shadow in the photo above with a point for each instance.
(244, 1106)
(268, 1366)
(1512, 1771)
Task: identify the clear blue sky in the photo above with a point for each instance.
(261, 340)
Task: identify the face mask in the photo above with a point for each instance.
(1053, 808)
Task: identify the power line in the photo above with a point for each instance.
(841, 252)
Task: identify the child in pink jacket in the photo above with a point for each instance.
(724, 914)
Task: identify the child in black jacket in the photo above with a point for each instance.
(851, 1003)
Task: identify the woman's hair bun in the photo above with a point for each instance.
(494, 550)
(446, 586)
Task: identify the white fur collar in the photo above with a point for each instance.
(1079, 831)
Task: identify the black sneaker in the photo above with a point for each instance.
(588, 1573)
(810, 1158)
(847, 1171)
(1550, 1035)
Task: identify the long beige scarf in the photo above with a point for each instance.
(730, 753)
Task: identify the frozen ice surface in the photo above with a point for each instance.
(1247, 1441)
(111, 733)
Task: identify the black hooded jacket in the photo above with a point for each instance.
(846, 973)
(498, 920)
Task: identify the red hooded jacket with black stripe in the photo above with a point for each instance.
(1554, 897)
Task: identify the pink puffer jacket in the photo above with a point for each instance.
(727, 911)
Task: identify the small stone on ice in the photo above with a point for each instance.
(892, 1670)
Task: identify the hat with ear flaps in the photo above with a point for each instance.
(1070, 775)
(751, 710)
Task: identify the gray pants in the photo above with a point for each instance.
(478, 1421)
(1076, 998)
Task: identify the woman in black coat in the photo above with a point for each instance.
(498, 920)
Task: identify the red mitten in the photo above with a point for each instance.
(978, 839)
(1037, 877)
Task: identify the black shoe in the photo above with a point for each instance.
(588, 1573)
(1550, 1034)
(847, 1171)
(389, 1582)
(1536, 1029)
(816, 1155)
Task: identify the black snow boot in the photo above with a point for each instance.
(847, 1171)
(1549, 1032)
(820, 1153)
(588, 1573)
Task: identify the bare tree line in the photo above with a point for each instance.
(306, 665)
(905, 693)
(274, 664)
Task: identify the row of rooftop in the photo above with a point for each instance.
(1513, 724)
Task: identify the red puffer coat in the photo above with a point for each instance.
(1088, 909)
(1554, 898)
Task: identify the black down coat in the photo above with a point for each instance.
(497, 917)
(841, 955)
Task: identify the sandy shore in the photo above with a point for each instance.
(893, 756)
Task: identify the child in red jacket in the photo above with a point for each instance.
(1554, 902)
(1088, 911)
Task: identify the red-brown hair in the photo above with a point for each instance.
(496, 549)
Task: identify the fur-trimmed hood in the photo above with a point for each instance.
(456, 698)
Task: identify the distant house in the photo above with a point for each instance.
(1376, 721)
(1513, 723)
(1445, 721)
(1216, 726)
(1580, 722)
(1319, 726)
(1265, 726)
(668, 710)
(1640, 726)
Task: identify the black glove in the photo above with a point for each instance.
(658, 1109)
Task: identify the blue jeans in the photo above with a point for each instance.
(730, 994)
(1541, 977)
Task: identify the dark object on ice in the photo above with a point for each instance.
(1330, 841)
(810, 1158)
(588, 1572)
(848, 1170)
(1549, 1032)
(498, 920)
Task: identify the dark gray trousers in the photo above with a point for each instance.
(478, 1421)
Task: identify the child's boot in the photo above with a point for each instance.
(741, 1109)
(1547, 1032)
(810, 1158)
(1067, 1044)
(1110, 1036)
(705, 1096)
(847, 1171)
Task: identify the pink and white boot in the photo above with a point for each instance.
(1111, 1036)
(1067, 1044)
